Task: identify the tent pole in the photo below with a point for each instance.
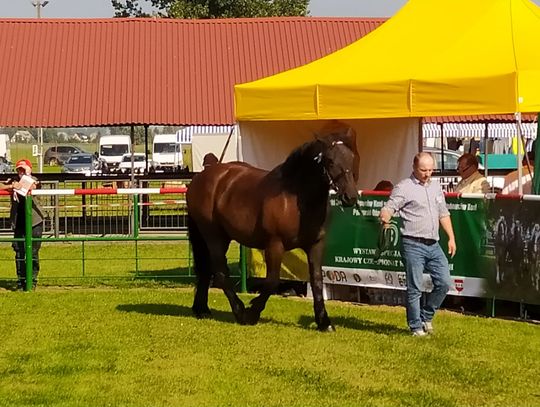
(442, 151)
(519, 153)
(226, 144)
(486, 131)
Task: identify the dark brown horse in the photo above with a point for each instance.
(276, 211)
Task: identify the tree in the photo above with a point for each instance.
(196, 9)
(138, 132)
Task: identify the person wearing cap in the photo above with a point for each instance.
(18, 224)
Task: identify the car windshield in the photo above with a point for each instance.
(110, 150)
(80, 159)
(450, 159)
(137, 158)
(164, 148)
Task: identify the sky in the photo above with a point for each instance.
(103, 8)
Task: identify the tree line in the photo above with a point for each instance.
(199, 9)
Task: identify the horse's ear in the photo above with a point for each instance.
(349, 138)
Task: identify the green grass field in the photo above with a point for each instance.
(142, 347)
(62, 262)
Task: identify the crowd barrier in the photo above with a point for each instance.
(100, 215)
(127, 213)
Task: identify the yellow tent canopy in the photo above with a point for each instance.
(433, 58)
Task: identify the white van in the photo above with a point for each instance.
(167, 152)
(112, 148)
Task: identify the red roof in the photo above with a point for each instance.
(87, 72)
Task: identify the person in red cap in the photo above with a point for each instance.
(18, 189)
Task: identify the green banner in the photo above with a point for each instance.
(482, 267)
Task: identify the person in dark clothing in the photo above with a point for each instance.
(384, 185)
(18, 223)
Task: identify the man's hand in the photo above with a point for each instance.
(452, 247)
(446, 224)
(385, 218)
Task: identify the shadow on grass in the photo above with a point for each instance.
(174, 311)
(356, 324)
(183, 275)
(9, 285)
(181, 310)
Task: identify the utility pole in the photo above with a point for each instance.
(38, 4)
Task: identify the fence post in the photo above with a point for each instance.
(243, 269)
(135, 216)
(28, 241)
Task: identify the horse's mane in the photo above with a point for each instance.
(309, 156)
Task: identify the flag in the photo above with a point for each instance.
(536, 147)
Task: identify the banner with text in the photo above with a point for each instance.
(498, 243)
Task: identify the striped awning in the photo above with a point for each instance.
(478, 130)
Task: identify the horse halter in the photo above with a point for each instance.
(319, 158)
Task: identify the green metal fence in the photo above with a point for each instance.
(125, 253)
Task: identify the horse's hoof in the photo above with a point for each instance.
(329, 328)
(250, 317)
(203, 314)
(241, 319)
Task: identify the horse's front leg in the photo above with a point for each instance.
(315, 254)
(273, 256)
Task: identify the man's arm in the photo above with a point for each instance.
(394, 203)
(446, 224)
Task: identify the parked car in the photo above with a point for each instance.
(5, 166)
(139, 164)
(451, 157)
(82, 163)
(58, 155)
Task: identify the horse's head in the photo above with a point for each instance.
(340, 161)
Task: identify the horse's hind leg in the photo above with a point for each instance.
(218, 246)
(203, 271)
(273, 257)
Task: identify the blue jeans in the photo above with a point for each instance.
(418, 257)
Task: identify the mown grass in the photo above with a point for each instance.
(142, 347)
(75, 263)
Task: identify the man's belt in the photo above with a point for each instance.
(427, 242)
